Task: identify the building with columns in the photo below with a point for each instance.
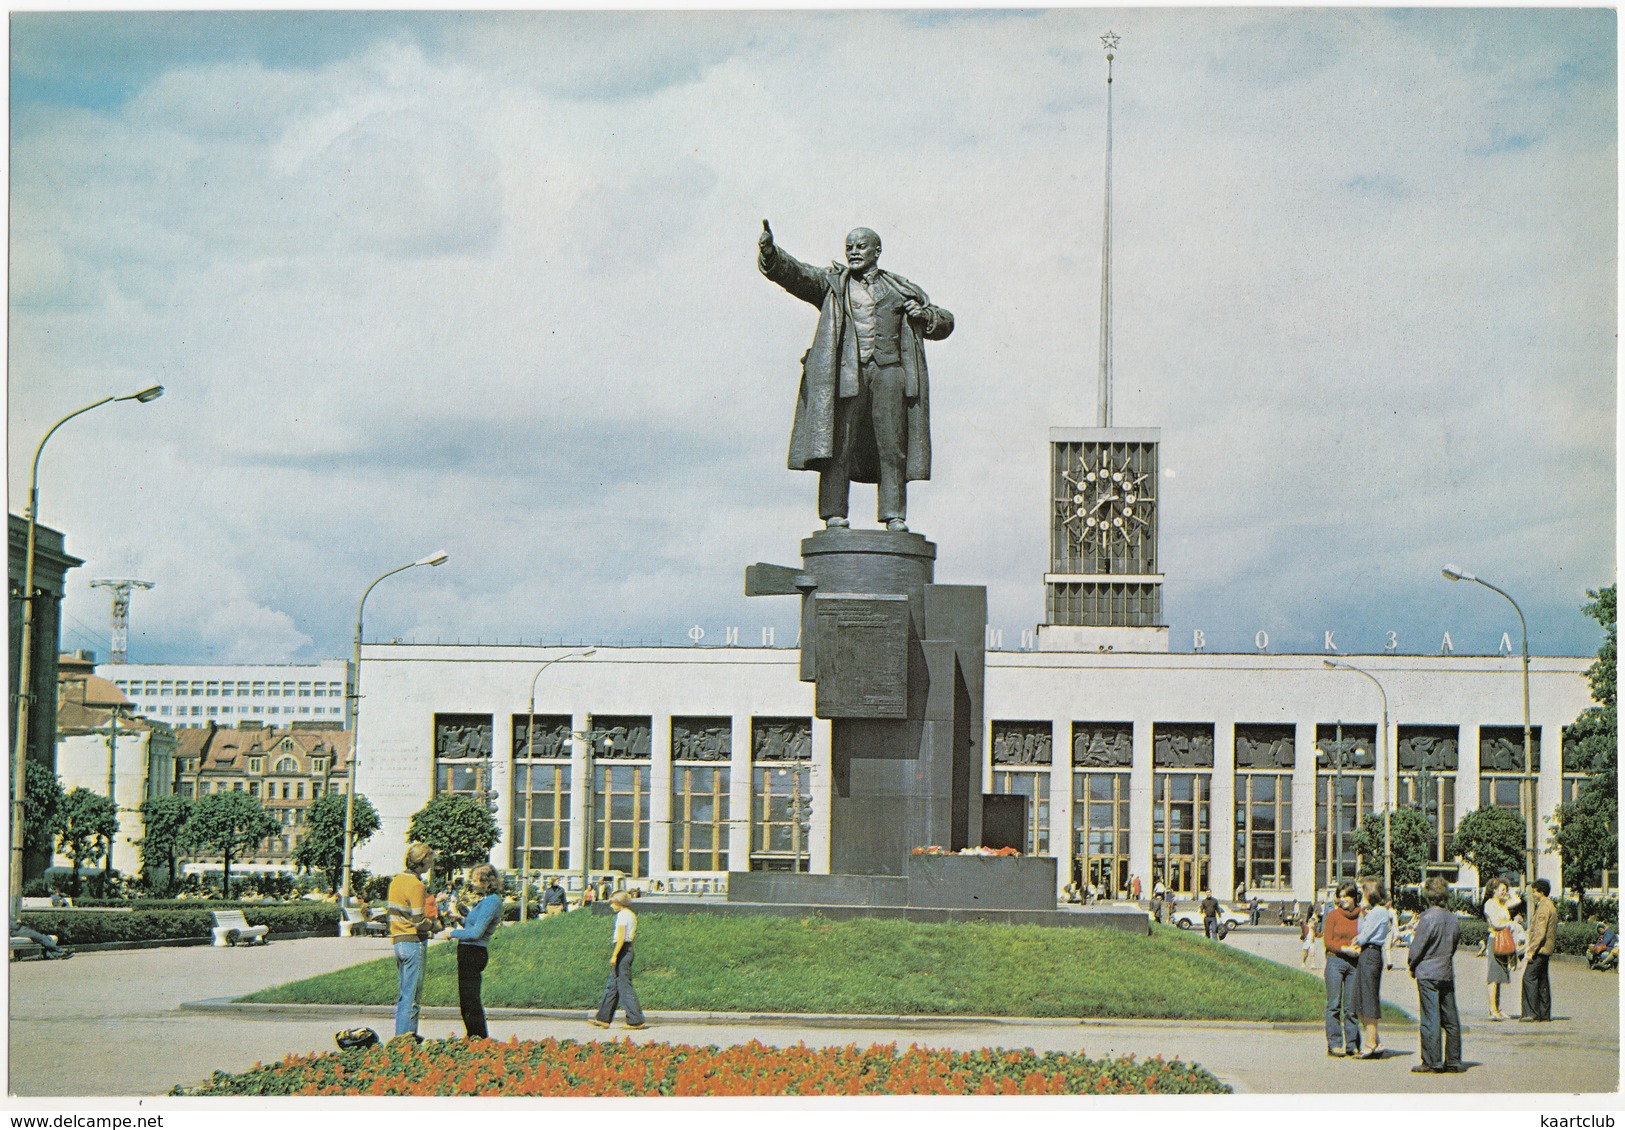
(1218, 771)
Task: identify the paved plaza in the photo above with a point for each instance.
(113, 1023)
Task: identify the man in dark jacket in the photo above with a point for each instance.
(1432, 963)
(863, 411)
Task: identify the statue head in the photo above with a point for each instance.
(862, 250)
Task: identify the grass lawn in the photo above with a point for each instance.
(695, 962)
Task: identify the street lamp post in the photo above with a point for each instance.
(25, 660)
(354, 702)
(1451, 573)
(530, 767)
(1388, 786)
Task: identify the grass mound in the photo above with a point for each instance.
(623, 1068)
(693, 962)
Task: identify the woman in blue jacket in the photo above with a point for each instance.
(477, 928)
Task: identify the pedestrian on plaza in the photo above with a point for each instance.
(1337, 931)
(477, 927)
(619, 992)
(553, 900)
(1210, 916)
(1432, 964)
(1498, 966)
(1308, 932)
(1537, 985)
(412, 920)
(1136, 888)
(1254, 909)
(1376, 926)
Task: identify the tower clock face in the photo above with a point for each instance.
(1110, 506)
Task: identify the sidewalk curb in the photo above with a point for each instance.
(806, 1020)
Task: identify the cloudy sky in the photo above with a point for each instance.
(487, 283)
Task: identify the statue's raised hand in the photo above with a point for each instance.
(764, 242)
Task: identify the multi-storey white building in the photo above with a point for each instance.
(277, 694)
(1207, 770)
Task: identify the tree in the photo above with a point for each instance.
(229, 823)
(321, 848)
(85, 825)
(164, 819)
(1492, 840)
(40, 802)
(1586, 829)
(458, 828)
(1410, 836)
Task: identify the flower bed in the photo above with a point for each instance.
(624, 1068)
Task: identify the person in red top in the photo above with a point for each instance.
(1337, 932)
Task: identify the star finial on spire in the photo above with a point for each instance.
(1110, 39)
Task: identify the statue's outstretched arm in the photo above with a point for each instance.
(807, 283)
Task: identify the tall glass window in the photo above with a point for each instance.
(1100, 824)
(780, 794)
(621, 819)
(1428, 757)
(1034, 785)
(541, 801)
(699, 818)
(1264, 831)
(1180, 825)
(780, 818)
(1345, 777)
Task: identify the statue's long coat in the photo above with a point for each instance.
(829, 369)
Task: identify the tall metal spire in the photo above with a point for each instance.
(1109, 40)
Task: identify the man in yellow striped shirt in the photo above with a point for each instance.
(412, 919)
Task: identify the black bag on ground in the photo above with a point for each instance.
(356, 1038)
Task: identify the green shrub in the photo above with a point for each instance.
(1572, 937)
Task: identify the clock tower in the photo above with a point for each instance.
(1103, 591)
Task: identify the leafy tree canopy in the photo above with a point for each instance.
(85, 825)
(1586, 829)
(1492, 840)
(230, 824)
(1410, 835)
(163, 820)
(458, 828)
(41, 799)
(321, 848)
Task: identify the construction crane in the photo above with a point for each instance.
(121, 613)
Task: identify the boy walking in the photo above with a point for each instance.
(1432, 963)
(619, 991)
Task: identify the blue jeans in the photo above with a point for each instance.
(410, 958)
(619, 991)
(1436, 1001)
(1342, 1029)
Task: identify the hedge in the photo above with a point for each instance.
(89, 927)
(1572, 937)
(194, 904)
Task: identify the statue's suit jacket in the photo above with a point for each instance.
(829, 369)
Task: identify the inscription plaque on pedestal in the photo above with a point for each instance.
(861, 660)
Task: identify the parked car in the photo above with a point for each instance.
(1190, 918)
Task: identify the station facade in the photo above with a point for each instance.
(1210, 771)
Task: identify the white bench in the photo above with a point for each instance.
(40, 902)
(230, 927)
(355, 922)
(23, 946)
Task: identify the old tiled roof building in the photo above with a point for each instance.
(285, 767)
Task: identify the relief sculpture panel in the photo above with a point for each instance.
(1107, 745)
(1022, 743)
(701, 739)
(780, 739)
(621, 736)
(1266, 747)
(1500, 749)
(551, 733)
(1433, 748)
(459, 736)
(1181, 745)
